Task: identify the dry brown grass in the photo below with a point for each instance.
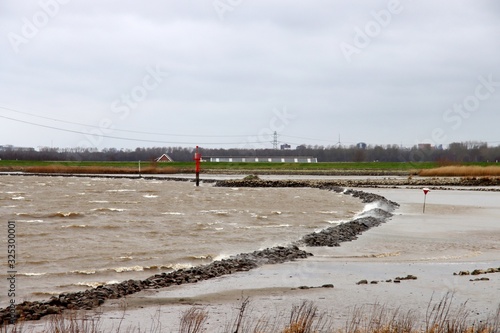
(61, 169)
(379, 319)
(192, 320)
(441, 317)
(462, 171)
(303, 319)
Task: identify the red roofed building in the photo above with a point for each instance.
(164, 158)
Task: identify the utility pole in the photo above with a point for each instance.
(275, 141)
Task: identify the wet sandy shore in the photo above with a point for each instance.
(460, 231)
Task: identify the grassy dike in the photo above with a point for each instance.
(213, 167)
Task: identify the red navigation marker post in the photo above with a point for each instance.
(197, 158)
(426, 190)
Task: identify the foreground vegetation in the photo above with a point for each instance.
(440, 317)
(425, 169)
(462, 171)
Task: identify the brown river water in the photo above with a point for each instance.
(73, 233)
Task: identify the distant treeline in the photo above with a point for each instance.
(455, 153)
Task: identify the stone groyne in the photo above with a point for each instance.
(333, 236)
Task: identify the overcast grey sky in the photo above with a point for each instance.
(228, 73)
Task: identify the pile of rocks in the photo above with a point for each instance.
(345, 232)
(396, 280)
(433, 182)
(479, 271)
(92, 298)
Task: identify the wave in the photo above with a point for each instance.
(376, 209)
(74, 226)
(335, 222)
(66, 215)
(108, 209)
(39, 217)
(124, 258)
(122, 190)
(328, 212)
(278, 226)
(90, 272)
(169, 267)
(30, 221)
(124, 269)
(25, 215)
(218, 212)
(200, 257)
(31, 274)
(149, 268)
(173, 213)
(45, 293)
(128, 269)
(148, 196)
(91, 284)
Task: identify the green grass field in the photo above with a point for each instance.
(4, 164)
(179, 167)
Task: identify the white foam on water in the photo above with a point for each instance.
(108, 209)
(121, 190)
(74, 226)
(90, 272)
(369, 207)
(172, 213)
(129, 269)
(32, 274)
(328, 212)
(94, 284)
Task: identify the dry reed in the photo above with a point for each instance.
(192, 320)
(61, 169)
(304, 319)
(462, 171)
(440, 317)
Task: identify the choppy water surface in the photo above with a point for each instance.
(74, 233)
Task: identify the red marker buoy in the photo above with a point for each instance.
(426, 190)
(197, 158)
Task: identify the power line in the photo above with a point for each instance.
(125, 138)
(123, 130)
